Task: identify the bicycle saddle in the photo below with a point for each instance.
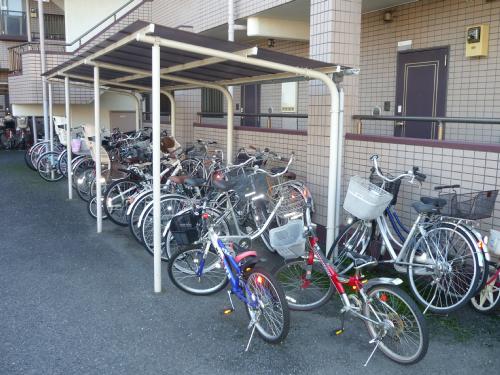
(194, 181)
(223, 185)
(360, 260)
(425, 208)
(436, 202)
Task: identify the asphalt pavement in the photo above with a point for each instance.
(75, 302)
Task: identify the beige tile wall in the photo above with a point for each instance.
(473, 170)
(474, 83)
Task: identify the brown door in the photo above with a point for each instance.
(250, 103)
(421, 85)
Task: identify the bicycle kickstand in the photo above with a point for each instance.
(378, 341)
(340, 330)
(230, 310)
(253, 325)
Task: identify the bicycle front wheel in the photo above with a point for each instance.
(304, 292)
(117, 200)
(270, 315)
(444, 269)
(47, 167)
(194, 273)
(356, 238)
(488, 298)
(397, 323)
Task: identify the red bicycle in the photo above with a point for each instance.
(395, 324)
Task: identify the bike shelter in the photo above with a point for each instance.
(146, 57)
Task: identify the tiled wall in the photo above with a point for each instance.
(472, 170)
(204, 15)
(278, 143)
(335, 33)
(473, 84)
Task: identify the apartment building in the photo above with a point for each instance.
(435, 58)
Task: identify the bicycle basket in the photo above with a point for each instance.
(288, 240)
(365, 200)
(390, 187)
(185, 229)
(293, 204)
(472, 206)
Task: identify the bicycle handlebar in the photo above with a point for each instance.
(413, 174)
(290, 160)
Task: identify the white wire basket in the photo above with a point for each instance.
(289, 240)
(365, 200)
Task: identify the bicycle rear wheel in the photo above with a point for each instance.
(401, 329)
(184, 267)
(117, 200)
(488, 298)
(271, 314)
(444, 269)
(356, 238)
(47, 167)
(304, 293)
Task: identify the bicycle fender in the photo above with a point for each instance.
(383, 281)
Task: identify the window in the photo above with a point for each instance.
(211, 101)
(289, 97)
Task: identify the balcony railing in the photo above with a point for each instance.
(453, 129)
(12, 23)
(16, 53)
(259, 117)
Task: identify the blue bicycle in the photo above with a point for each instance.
(206, 266)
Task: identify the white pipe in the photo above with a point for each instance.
(41, 28)
(28, 19)
(230, 20)
(34, 129)
(97, 144)
(340, 155)
(51, 122)
(156, 83)
(138, 113)
(68, 137)
(171, 97)
(230, 102)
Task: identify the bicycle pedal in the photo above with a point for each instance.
(338, 332)
(228, 311)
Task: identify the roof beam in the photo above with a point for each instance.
(190, 65)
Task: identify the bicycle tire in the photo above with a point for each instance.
(488, 298)
(118, 214)
(179, 269)
(354, 237)
(84, 183)
(92, 208)
(396, 323)
(300, 293)
(133, 217)
(47, 167)
(420, 271)
(262, 278)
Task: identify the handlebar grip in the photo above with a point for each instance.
(420, 176)
(456, 186)
(252, 147)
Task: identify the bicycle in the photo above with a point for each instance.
(395, 324)
(439, 255)
(214, 263)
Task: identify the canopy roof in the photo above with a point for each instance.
(125, 61)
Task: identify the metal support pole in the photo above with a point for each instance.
(230, 125)
(97, 138)
(138, 113)
(34, 129)
(68, 137)
(156, 165)
(340, 155)
(41, 27)
(51, 121)
(171, 97)
(28, 19)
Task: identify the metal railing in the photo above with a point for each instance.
(438, 122)
(16, 53)
(268, 116)
(100, 26)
